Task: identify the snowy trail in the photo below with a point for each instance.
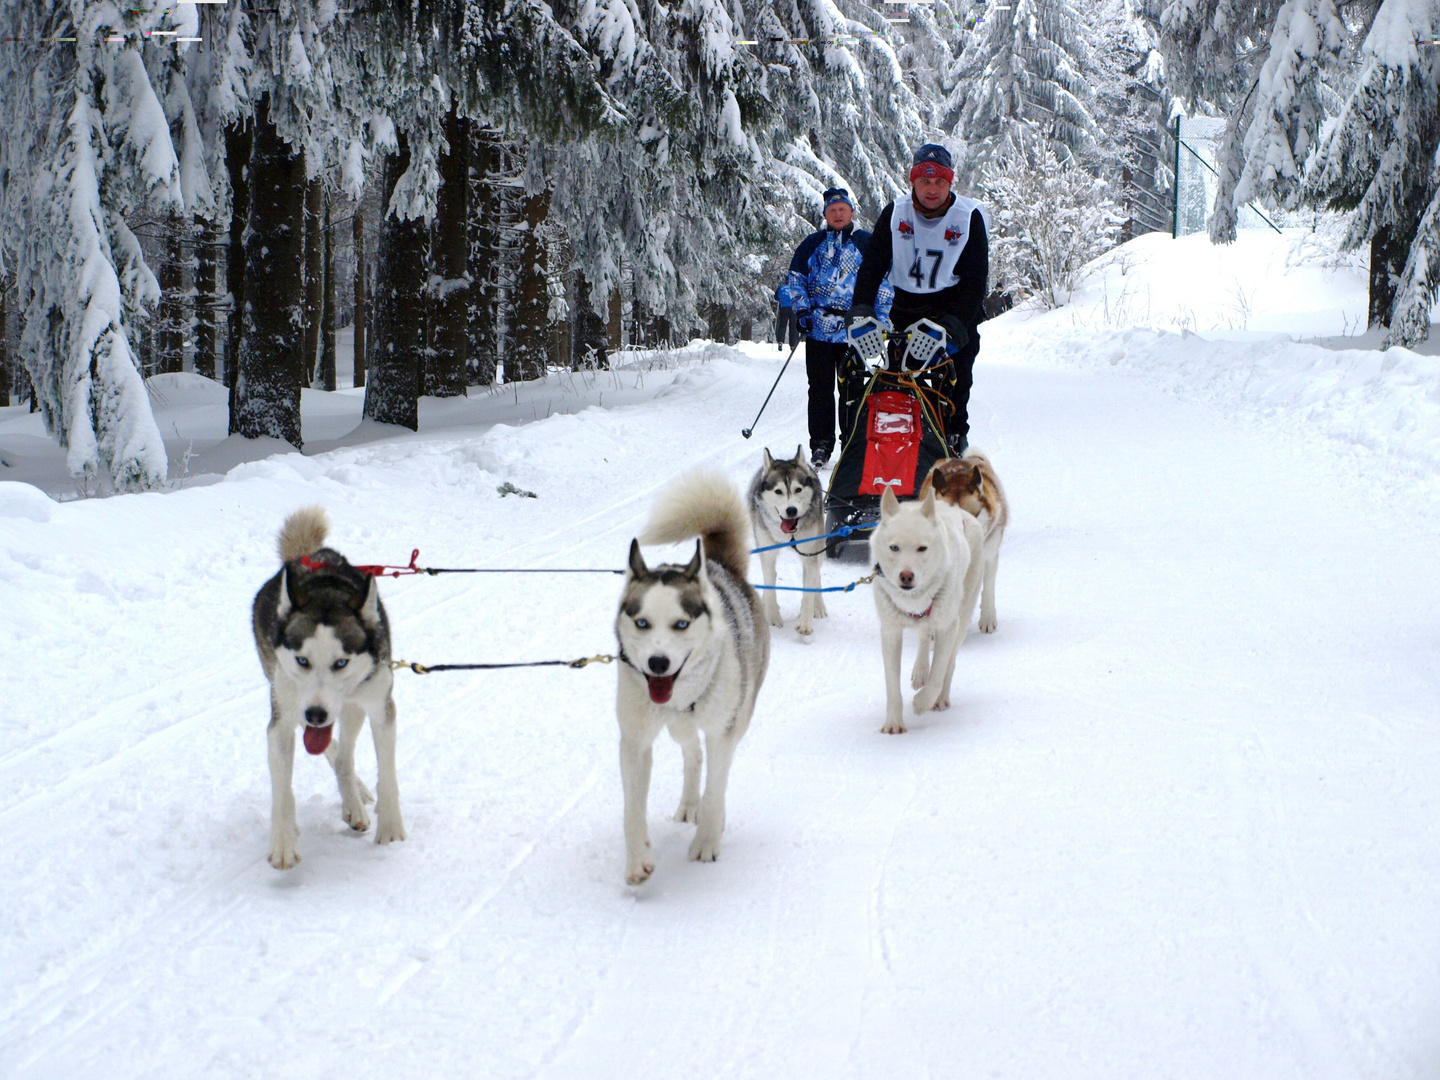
(1179, 821)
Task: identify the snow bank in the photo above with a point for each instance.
(1256, 327)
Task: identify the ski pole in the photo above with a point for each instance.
(746, 431)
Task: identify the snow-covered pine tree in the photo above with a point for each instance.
(1131, 110)
(1381, 158)
(85, 142)
(1026, 66)
(1211, 50)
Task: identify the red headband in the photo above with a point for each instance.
(931, 168)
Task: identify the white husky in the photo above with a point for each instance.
(930, 562)
(693, 648)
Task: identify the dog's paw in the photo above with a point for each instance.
(988, 623)
(820, 612)
(366, 795)
(355, 815)
(389, 830)
(688, 812)
(943, 703)
(925, 700)
(804, 629)
(704, 848)
(920, 672)
(639, 867)
(893, 727)
(773, 617)
(283, 855)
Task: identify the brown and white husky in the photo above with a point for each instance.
(969, 483)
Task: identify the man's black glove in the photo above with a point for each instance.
(787, 332)
(956, 334)
(859, 311)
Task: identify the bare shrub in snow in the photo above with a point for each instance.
(1052, 218)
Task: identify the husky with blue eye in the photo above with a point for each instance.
(694, 647)
(324, 642)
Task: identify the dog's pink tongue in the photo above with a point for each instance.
(661, 687)
(318, 738)
(788, 525)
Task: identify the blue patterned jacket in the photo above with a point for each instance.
(822, 280)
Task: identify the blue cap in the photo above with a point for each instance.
(933, 152)
(837, 194)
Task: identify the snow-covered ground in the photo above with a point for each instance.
(1180, 822)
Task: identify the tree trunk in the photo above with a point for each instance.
(614, 329)
(392, 396)
(531, 322)
(172, 298)
(746, 327)
(590, 330)
(267, 385)
(361, 314)
(1388, 251)
(238, 139)
(207, 281)
(314, 275)
(327, 316)
(483, 354)
(4, 343)
(449, 250)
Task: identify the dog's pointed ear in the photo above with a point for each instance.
(929, 485)
(694, 567)
(889, 504)
(369, 606)
(799, 457)
(977, 479)
(927, 504)
(768, 459)
(638, 569)
(283, 603)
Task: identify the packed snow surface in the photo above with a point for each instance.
(1180, 821)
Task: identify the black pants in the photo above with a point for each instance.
(826, 364)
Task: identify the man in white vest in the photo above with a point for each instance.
(934, 245)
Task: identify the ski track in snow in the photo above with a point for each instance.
(1178, 821)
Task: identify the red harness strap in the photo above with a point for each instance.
(372, 571)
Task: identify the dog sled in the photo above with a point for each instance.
(899, 432)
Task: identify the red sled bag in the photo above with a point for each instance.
(894, 430)
(893, 446)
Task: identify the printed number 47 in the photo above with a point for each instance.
(918, 275)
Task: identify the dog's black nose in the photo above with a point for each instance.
(659, 664)
(792, 511)
(906, 578)
(315, 716)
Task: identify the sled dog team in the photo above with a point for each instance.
(694, 639)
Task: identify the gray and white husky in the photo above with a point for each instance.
(693, 651)
(787, 503)
(324, 642)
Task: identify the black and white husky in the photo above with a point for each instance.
(324, 643)
(693, 650)
(787, 503)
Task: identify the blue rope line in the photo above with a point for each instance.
(801, 588)
(844, 530)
